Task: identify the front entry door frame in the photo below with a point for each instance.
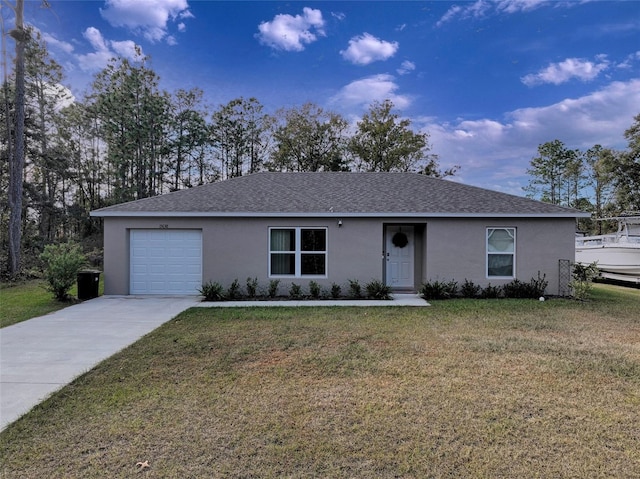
(399, 256)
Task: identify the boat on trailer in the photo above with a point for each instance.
(617, 254)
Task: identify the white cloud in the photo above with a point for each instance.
(59, 44)
(105, 50)
(147, 17)
(338, 15)
(367, 49)
(291, 33)
(562, 72)
(406, 67)
(496, 154)
(629, 60)
(363, 92)
(125, 48)
(481, 8)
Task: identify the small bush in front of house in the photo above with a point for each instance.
(355, 290)
(515, 289)
(491, 292)
(314, 290)
(439, 289)
(538, 286)
(252, 287)
(378, 290)
(295, 291)
(212, 291)
(336, 290)
(62, 263)
(233, 292)
(470, 290)
(273, 288)
(531, 290)
(582, 277)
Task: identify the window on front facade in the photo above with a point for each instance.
(501, 252)
(297, 252)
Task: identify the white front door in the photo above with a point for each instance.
(399, 256)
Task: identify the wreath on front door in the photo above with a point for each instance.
(400, 240)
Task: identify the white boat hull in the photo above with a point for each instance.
(612, 258)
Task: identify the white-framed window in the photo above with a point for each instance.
(297, 252)
(501, 252)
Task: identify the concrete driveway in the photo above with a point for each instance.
(41, 355)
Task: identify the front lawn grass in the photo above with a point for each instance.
(466, 388)
(29, 299)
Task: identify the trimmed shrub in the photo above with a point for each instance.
(252, 287)
(355, 290)
(295, 291)
(273, 288)
(519, 289)
(336, 290)
(234, 290)
(378, 290)
(62, 263)
(314, 290)
(212, 291)
(439, 289)
(470, 290)
(491, 292)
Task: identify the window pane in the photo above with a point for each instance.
(500, 240)
(500, 265)
(313, 240)
(313, 264)
(283, 263)
(283, 240)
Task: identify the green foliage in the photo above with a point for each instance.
(309, 139)
(469, 289)
(295, 291)
(212, 291)
(582, 278)
(273, 288)
(62, 263)
(336, 290)
(519, 289)
(378, 290)
(439, 289)
(314, 290)
(491, 292)
(252, 287)
(233, 292)
(355, 290)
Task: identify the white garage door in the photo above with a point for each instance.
(165, 261)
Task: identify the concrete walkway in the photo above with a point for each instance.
(41, 355)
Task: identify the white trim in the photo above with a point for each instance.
(297, 252)
(302, 214)
(487, 253)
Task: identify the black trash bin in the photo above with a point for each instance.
(88, 284)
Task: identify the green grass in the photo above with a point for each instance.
(26, 300)
(466, 388)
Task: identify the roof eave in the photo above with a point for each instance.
(222, 214)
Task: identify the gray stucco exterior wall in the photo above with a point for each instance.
(445, 248)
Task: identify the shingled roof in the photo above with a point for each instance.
(337, 194)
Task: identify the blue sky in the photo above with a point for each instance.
(489, 80)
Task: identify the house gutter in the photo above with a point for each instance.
(217, 214)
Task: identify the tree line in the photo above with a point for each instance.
(128, 139)
(600, 180)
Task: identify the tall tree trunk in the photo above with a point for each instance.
(17, 163)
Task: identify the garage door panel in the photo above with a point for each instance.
(165, 261)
